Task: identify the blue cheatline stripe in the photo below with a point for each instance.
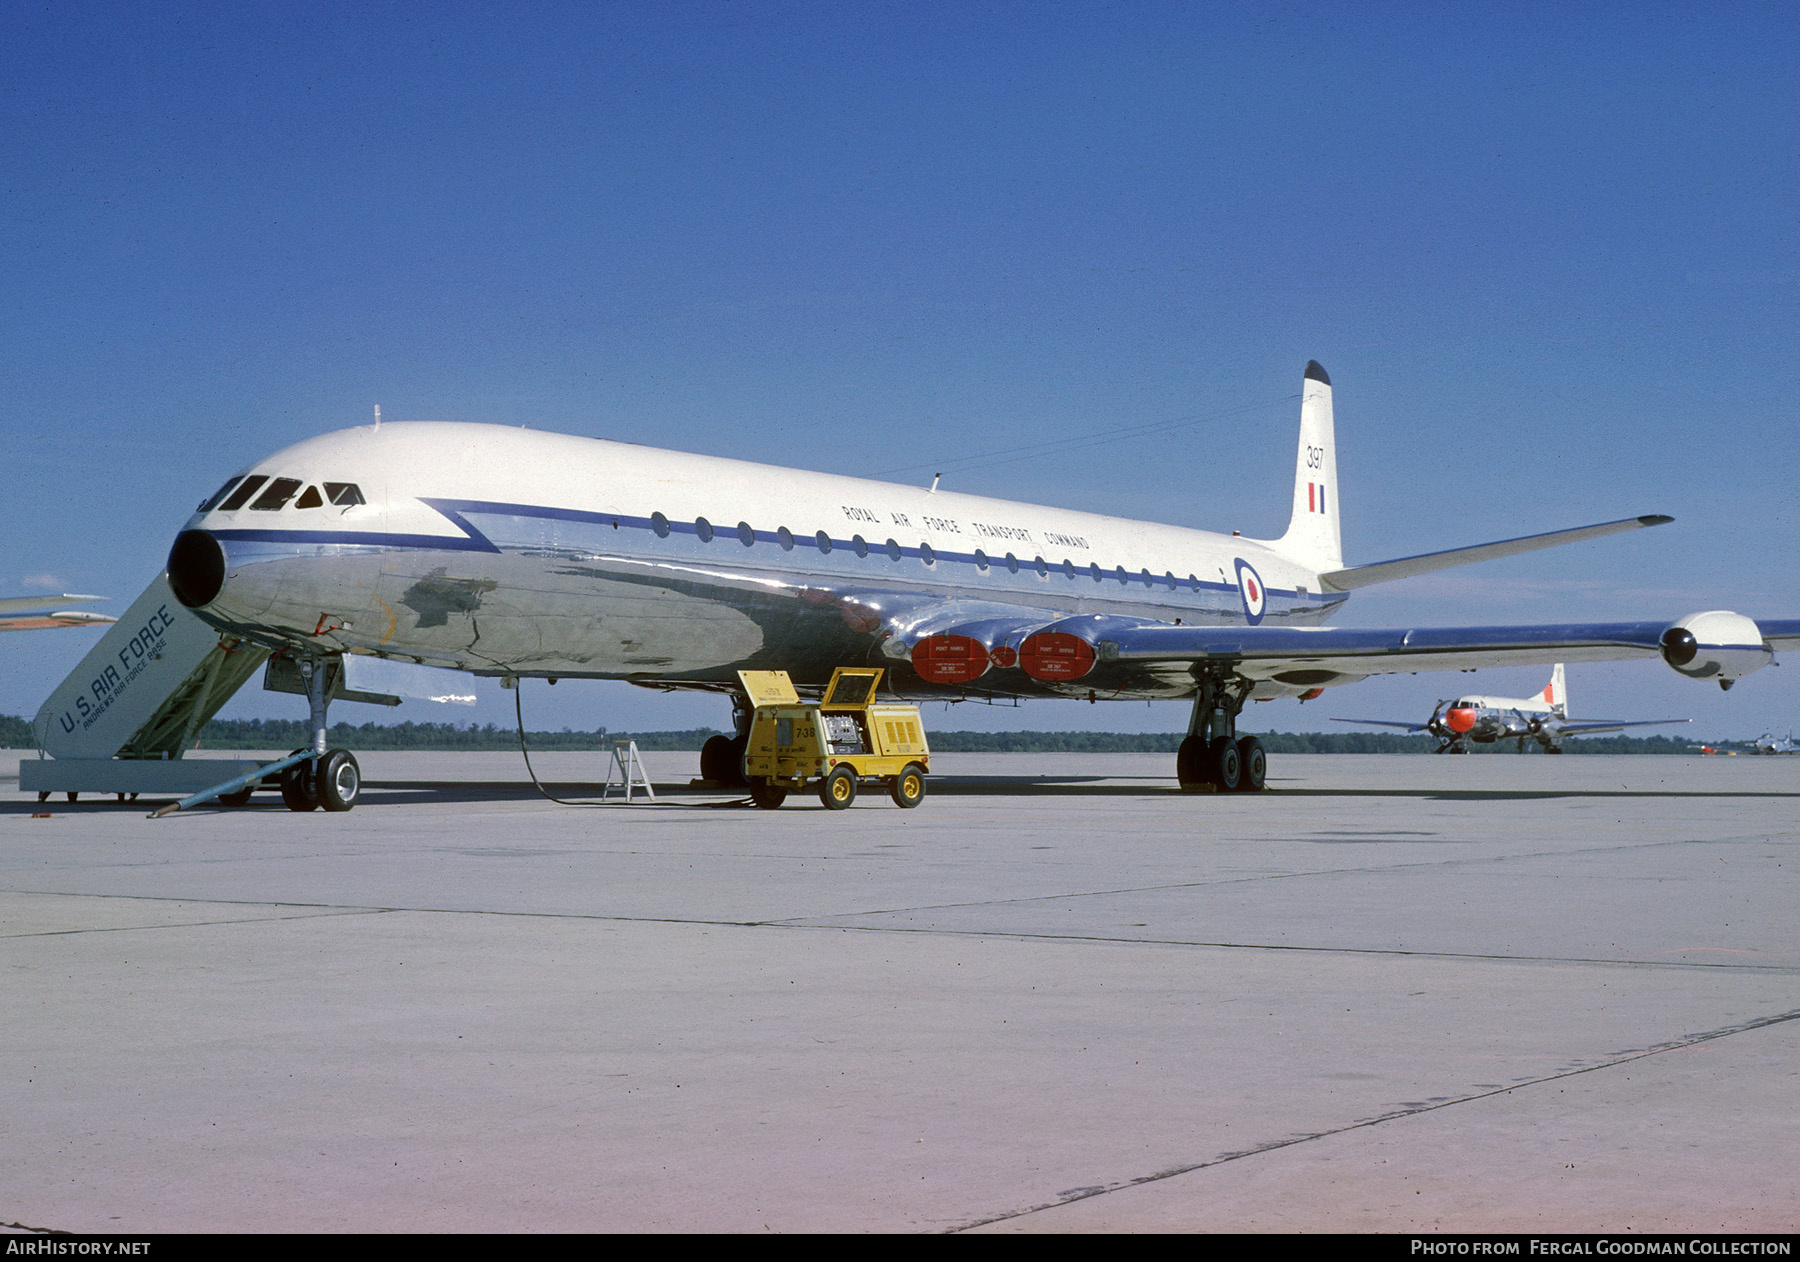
(473, 540)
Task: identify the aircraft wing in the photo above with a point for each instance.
(1409, 727)
(1606, 725)
(31, 613)
(1324, 656)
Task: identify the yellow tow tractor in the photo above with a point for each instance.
(845, 738)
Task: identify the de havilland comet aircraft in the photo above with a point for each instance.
(512, 553)
(1485, 720)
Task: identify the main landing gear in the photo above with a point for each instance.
(1213, 757)
(722, 757)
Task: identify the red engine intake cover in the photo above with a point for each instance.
(1056, 656)
(949, 659)
(1459, 719)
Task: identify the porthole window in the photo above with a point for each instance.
(1145, 575)
(786, 539)
(660, 525)
(1194, 581)
(703, 528)
(981, 561)
(1012, 563)
(1094, 571)
(823, 540)
(1169, 580)
(1068, 568)
(861, 545)
(927, 555)
(1122, 576)
(746, 536)
(893, 550)
(1042, 568)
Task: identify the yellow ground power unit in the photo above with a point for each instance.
(842, 740)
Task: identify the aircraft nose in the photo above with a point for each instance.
(196, 568)
(1460, 719)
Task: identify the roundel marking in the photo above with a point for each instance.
(1252, 592)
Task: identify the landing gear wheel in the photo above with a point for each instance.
(297, 787)
(1190, 764)
(1227, 768)
(767, 794)
(339, 780)
(1254, 764)
(239, 798)
(715, 760)
(909, 786)
(838, 789)
(722, 761)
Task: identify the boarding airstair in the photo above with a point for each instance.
(124, 717)
(122, 720)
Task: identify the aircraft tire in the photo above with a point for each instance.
(1254, 764)
(735, 768)
(767, 794)
(1190, 764)
(909, 786)
(715, 760)
(1226, 766)
(838, 790)
(339, 780)
(297, 788)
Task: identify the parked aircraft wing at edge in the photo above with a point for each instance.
(33, 613)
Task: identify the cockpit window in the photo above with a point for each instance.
(280, 491)
(245, 490)
(207, 504)
(310, 498)
(344, 494)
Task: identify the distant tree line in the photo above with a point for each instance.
(15, 733)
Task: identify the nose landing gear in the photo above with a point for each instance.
(332, 779)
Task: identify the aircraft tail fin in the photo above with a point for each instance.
(1556, 694)
(1313, 537)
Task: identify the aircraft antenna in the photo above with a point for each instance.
(378, 416)
(934, 482)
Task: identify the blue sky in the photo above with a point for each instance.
(1546, 252)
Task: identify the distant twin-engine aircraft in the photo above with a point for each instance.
(506, 552)
(1543, 718)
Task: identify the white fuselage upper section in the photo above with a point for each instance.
(509, 550)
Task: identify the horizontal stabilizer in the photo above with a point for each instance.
(1406, 567)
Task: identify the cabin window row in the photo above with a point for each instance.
(276, 492)
(745, 534)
